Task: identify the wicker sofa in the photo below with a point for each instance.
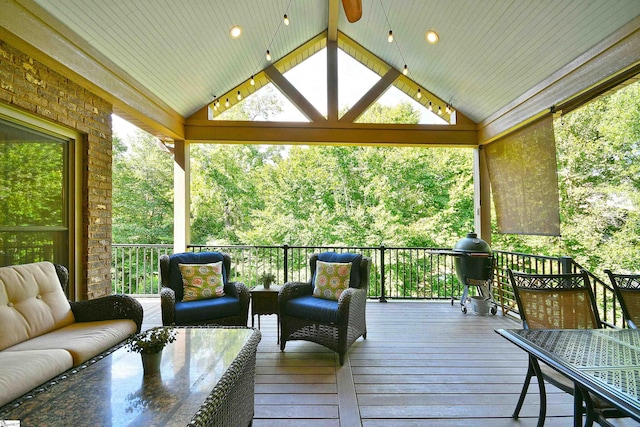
(42, 333)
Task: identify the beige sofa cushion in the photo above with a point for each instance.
(31, 302)
(83, 340)
(23, 371)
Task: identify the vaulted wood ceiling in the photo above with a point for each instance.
(498, 62)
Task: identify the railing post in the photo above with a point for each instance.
(383, 298)
(285, 249)
(565, 264)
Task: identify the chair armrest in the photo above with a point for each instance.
(110, 307)
(291, 290)
(347, 297)
(244, 295)
(168, 306)
(234, 289)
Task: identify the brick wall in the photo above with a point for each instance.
(33, 87)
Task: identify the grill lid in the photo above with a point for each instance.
(472, 244)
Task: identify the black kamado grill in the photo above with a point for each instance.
(474, 267)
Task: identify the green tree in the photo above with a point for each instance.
(403, 113)
(142, 191)
(224, 190)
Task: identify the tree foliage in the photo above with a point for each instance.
(142, 191)
(393, 196)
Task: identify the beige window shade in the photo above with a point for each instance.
(524, 180)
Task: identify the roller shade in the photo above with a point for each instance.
(523, 173)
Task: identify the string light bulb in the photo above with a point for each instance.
(268, 56)
(239, 96)
(227, 104)
(405, 70)
(252, 82)
(217, 103)
(430, 106)
(447, 109)
(286, 19)
(439, 110)
(390, 38)
(419, 94)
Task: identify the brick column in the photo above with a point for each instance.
(31, 86)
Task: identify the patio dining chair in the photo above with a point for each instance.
(330, 309)
(627, 289)
(558, 301)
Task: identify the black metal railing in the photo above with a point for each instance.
(135, 269)
(396, 273)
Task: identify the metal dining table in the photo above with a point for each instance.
(605, 362)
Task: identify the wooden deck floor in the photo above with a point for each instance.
(422, 364)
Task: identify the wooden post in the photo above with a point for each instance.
(181, 198)
(481, 196)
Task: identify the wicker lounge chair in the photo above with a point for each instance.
(627, 289)
(231, 309)
(333, 324)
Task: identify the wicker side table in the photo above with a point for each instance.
(264, 302)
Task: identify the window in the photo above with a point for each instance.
(36, 193)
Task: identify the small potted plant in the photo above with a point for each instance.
(267, 279)
(150, 344)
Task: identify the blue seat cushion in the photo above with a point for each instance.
(175, 277)
(312, 308)
(354, 259)
(206, 309)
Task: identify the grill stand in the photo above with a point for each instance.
(484, 291)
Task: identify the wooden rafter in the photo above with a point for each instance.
(294, 95)
(371, 96)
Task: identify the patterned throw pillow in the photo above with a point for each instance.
(331, 279)
(202, 281)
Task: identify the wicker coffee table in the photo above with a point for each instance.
(207, 377)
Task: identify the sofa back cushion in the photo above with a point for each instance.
(32, 302)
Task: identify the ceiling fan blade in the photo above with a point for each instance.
(353, 9)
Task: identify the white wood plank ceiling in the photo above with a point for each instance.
(490, 51)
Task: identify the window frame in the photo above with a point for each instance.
(72, 181)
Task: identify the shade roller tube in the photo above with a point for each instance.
(523, 173)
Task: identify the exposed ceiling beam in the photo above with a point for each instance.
(293, 95)
(334, 13)
(371, 96)
(30, 28)
(332, 80)
(609, 58)
(327, 133)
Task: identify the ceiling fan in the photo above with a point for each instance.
(353, 9)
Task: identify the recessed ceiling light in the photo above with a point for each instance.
(235, 31)
(432, 37)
